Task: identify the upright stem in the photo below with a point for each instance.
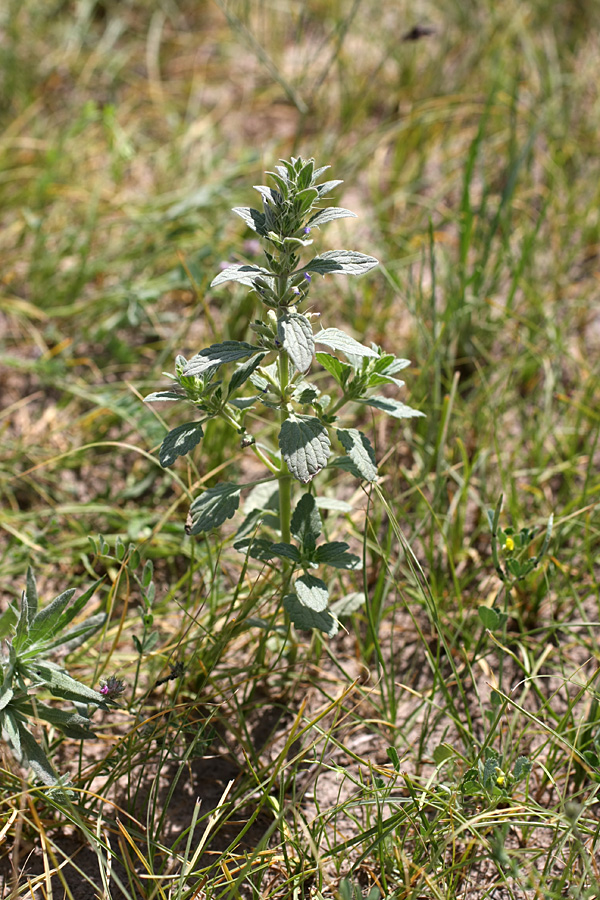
(285, 480)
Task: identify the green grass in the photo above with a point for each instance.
(330, 768)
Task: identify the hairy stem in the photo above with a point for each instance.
(285, 481)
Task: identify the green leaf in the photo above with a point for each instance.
(162, 396)
(335, 553)
(341, 262)
(306, 525)
(241, 272)
(243, 372)
(33, 754)
(312, 592)
(179, 442)
(70, 723)
(345, 606)
(62, 685)
(339, 340)
(489, 771)
(306, 618)
(47, 621)
(296, 335)
(253, 219)
(392, 407)
(359, 449)
(74, 637)
(340, 371)
(213, 507)
(327, 186)
(333, 504)
(31, 595)
(218, 355)
(522, 768)
(443, 752)
(489, 617)
(265, 551)
(328, 215)
(305, 446)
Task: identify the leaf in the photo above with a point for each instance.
(345, 606)
(489, 617)
(392, 407)
(243, 372)
(341, 262)
(47, 621)
(443, 752)
(489, 771)
(241, 272)
(305, 446)
(522, 768)
(359, 450)
(340, 371)
(327, 185)
(328, 215)
(62, 685)
(306, 619)
(219, 354)
(70, 723)
(253, 218)
(264, 550)
(296, 335)
(334, 504)
(306, 525)
(335, 553)
(162, 396)
(31, 595)
(339, 340)
(36, 758)
(75, 636)
(179, 442)
(213, 507)
(312, 592)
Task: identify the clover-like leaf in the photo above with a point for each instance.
(392, 407)
(213, 507)
(296, 335)
(339, 340)
(305, 446)
(359, 449)
(341, 262)
(180, 441)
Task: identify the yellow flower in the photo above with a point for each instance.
(509, 545)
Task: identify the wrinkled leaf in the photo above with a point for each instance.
(359, 449)
(253, 218)
(263, 550)
(340, 371)
(243, 372)
(219, 354)
(162, 396)
(345, 606)
(339, 340)
(179, 442)
(296, 335)
(341, 262)
(305, 446)
(392, 407)
(306, 619)
(329, 214)
(335, 553)
(306, 523)
(213, 507)
(241, 272)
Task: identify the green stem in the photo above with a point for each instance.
(285, 481)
